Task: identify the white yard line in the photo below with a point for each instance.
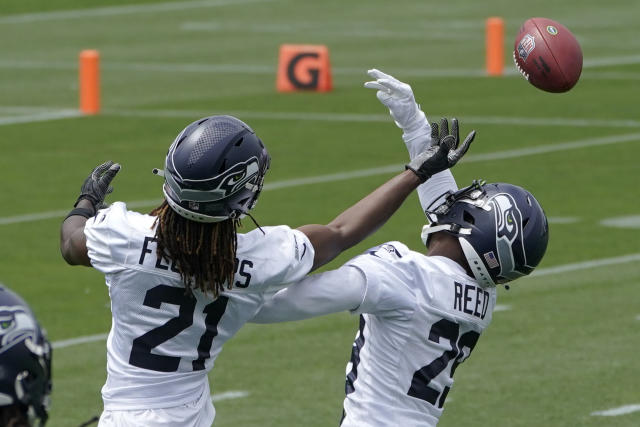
(341, 176)
(501, 307)
(24, 114)
(79, 340)
(630, 221)
(541, 272)
(270, 69)
(40, 117)
(381, 118)
(119, 10)
(614, 412)
(586, 265)
(232, 394)
(611, 61)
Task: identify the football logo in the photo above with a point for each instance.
(552, 30)
(386, 251)
(240, 175)
(526, 46)
(509, 241)
(16, 325)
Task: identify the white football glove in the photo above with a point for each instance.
(398, 98)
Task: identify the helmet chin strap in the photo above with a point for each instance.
(428, 229)
(475, 263)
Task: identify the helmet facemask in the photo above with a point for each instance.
(490, 223)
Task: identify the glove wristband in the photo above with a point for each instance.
(85, 212)
(421, 176)
(94, 202)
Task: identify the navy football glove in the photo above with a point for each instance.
(96, 187)
(444, 153)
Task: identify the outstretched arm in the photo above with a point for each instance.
(360, 220)
(316, 295)
(417, 133)
(356, 223)
(73, 243)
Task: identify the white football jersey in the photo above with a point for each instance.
(162, 341)
(421, 317)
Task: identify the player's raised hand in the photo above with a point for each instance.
(96, 187)
(398, 98)
(445, 152)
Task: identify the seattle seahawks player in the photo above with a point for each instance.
(182, 281)
(25, 364)
(421, 315)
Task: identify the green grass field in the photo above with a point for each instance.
(566, 344)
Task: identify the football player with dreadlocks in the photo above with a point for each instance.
(421, 315)
(25, 364)
(182, 280)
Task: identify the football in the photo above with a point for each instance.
(548, 55)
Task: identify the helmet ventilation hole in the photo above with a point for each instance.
(237, 144)
(524, 223)
(467, 217)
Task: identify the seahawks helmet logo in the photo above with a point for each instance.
(238, 176)
(509, 241)
(16, 325)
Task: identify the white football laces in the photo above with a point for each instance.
(524, 74)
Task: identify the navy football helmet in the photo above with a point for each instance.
(502, 229)
(25, 359)
(214, 170)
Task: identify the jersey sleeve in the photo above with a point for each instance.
(431, 192)
(324, 293)
(107, 235)
(279, 255)
(386, 294)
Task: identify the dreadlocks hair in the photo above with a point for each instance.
(203, 253)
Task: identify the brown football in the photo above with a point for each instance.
(548, 55)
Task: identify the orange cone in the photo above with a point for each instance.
(89, 81)
(495, 46)
(303, 68)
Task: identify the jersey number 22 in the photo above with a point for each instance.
(421, 378)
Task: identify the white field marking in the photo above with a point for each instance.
(261, 69)
(40, 117)
(631, 221)
(586, 265)
(614, 412)
(562, 219)
(608, 62)
(335, 117)
(381, 118)
(233, 394)
(269, 69)
(329, 32)
(638, 317)
(542, 272)
(119, 10)
(341, 176)
(79, 340)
